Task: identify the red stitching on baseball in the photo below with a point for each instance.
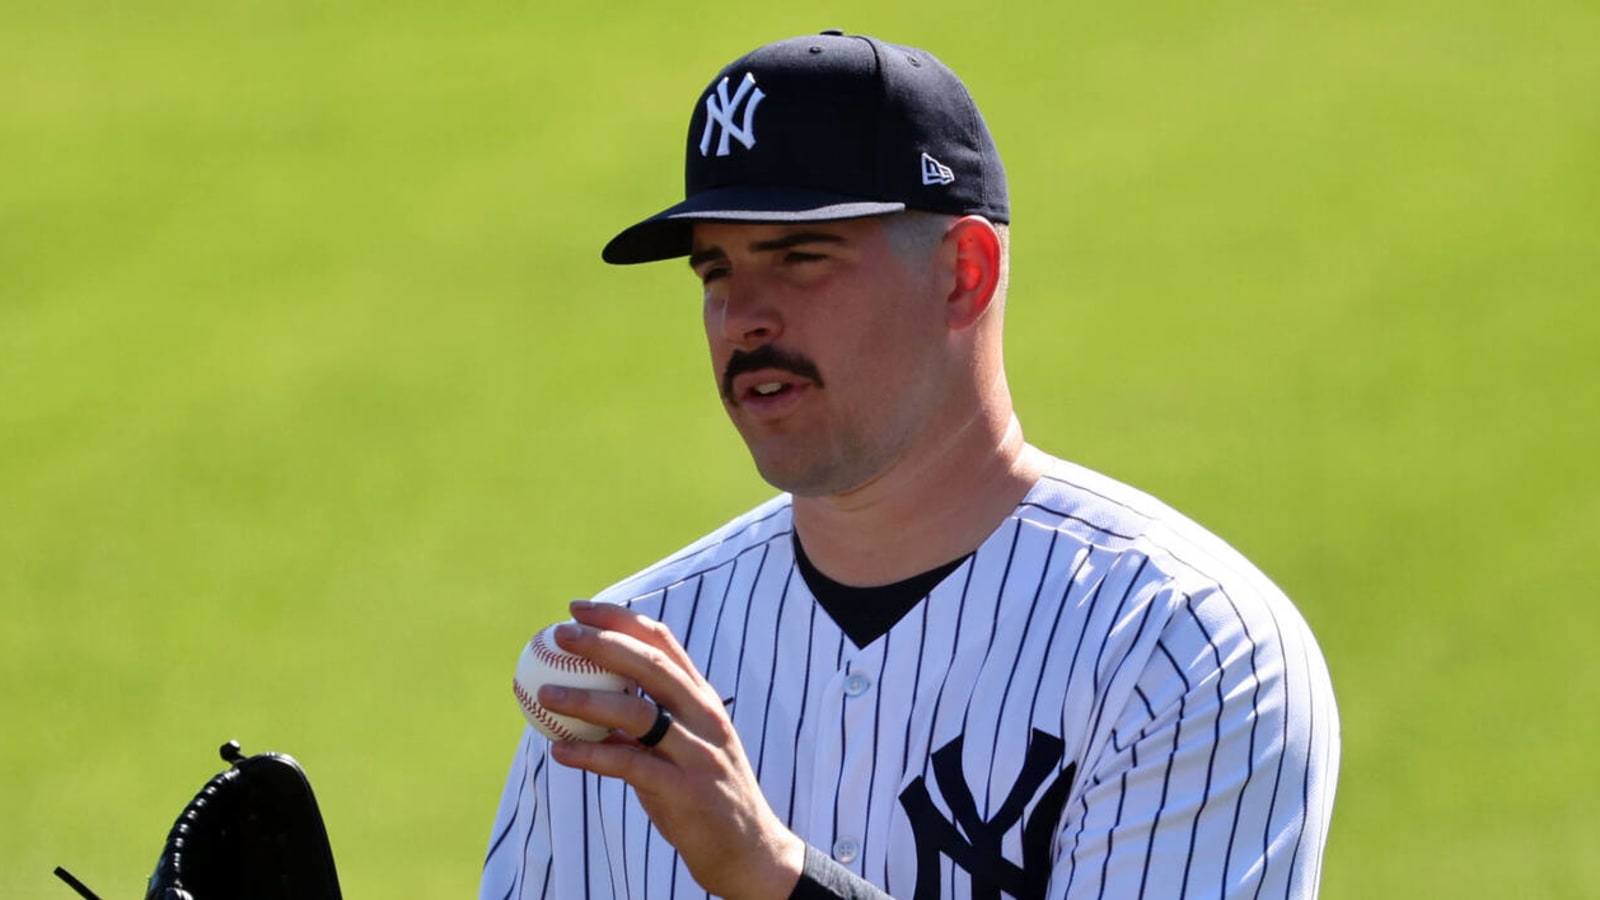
(545, 717)
(543, 646)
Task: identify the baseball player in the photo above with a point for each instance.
(941, 663)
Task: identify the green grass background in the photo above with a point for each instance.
(315, 398)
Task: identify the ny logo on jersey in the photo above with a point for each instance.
(720, 109)
(974, 843)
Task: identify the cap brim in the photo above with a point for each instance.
(669, 233)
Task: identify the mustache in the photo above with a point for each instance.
(767, 356)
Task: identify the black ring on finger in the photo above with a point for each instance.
(659, 729)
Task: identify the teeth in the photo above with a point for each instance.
(769, 388)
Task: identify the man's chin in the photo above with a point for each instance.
(810, 473)
(800, 474)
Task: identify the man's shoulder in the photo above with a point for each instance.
(1105, 512)
(748, 533)
(1204, 579)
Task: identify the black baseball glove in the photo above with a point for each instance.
(252, 833)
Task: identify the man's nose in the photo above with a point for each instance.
(747, 316)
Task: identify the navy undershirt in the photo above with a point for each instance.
(867, 613)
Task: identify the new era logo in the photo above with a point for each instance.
(720, 109)
(935, 172)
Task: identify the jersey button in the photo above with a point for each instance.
(845, 850)
(856, 684)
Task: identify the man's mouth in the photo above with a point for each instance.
(764, 397)
(756, 374)
(761, 390)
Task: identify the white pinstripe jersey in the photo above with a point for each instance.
(1104, 701)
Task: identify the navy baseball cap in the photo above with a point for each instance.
(826, 127)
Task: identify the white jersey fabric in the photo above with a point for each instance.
(1104, 701)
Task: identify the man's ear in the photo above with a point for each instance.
(976, 246)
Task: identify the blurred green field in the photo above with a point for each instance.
(315, 398)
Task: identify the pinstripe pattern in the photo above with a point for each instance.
(1191, 700)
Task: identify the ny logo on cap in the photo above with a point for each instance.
(720, 110)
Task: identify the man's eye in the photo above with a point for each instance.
(795, 256)
(712, 274)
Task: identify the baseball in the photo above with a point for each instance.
(542, 662)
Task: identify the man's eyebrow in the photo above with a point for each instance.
(705, 256)
(797, 239)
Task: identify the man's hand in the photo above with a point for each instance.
(696, 784)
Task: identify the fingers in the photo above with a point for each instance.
(621, 755)
(644, 651)
(658, 729)
(697, 784)
(629, 714)
(611, 617)
(626, 761)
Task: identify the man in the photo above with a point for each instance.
(942, 663)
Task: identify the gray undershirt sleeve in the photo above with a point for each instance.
(823, 879)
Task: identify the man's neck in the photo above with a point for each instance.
(924, 511)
